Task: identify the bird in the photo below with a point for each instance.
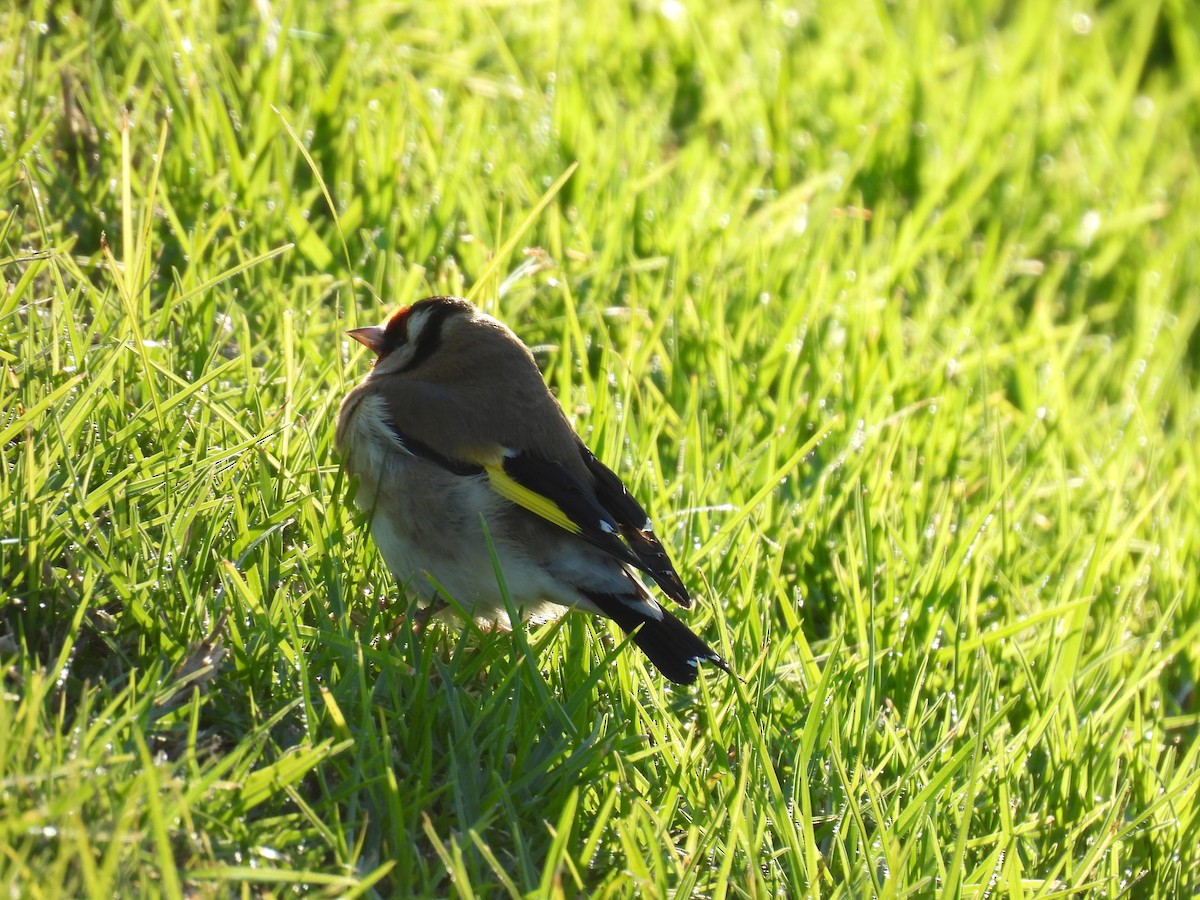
(460, 451)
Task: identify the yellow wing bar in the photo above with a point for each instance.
(504, 485)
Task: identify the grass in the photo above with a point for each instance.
(889, 312)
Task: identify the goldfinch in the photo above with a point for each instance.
(454, 429)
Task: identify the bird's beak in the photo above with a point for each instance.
(370, 337)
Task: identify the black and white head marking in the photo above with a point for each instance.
(413, 334)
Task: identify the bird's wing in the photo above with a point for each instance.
(579, 495)
(635, 527)
(548, 488)
(602, 512)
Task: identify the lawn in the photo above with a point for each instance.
(888, 312)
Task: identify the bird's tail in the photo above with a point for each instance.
(667, 642)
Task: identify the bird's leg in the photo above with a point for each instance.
(427, 612)
(420, 618)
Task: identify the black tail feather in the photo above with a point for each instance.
(667, 642)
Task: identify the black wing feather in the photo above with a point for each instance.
(604, 511)
(635, 528)
(551, 479)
